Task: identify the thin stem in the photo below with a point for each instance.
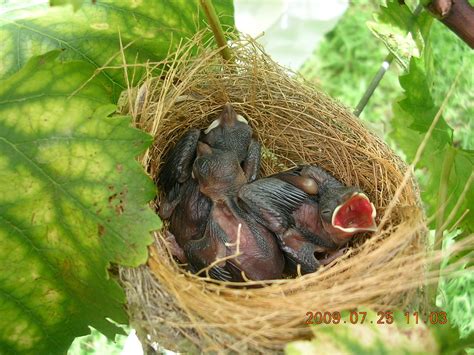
(382, 70)
(443, 194)
(373, 84)
(448, 162)
(216, 28)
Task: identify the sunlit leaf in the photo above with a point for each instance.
(76, 4)
(73, 198)
(151, 28)
(402, 33)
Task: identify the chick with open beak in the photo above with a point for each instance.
(311, 213)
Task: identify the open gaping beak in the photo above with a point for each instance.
(355, 215)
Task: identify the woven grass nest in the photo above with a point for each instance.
(295, 123)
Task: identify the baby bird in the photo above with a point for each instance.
(234, 247)
(231, 132)
(183, 203)
(310, 212)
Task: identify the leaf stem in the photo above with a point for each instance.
(216, 27)
(448, 162)
(443, 194)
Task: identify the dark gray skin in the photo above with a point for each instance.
(229, 135)
(183, 203)
(186, 207)
(233, 135)
(176, 172)
(220, 177)
(298, 206)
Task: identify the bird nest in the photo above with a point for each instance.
(295, 123)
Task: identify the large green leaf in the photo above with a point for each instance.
(72, 199)
(415, 111)
(414, 114)
(92, 33)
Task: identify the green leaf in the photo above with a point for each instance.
(72, 199)
(76, 4)
(367, 338)
(92, 33)
(402, 34)
(413, 115)
(461, 170)
(418, 103)
(450, 340)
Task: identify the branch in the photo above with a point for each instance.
(216, 28)
(457, 15)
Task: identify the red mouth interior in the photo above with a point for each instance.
(355, 213)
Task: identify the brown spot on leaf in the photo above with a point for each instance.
(111, 187)
(118, 206)
(112, 197)
(119, 168)
(101, 230)
(119, 209)
(66, 268)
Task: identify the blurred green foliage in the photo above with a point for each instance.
(449, 54)
(346, 61)
(349, 56)
(368, 337)
(343, 66)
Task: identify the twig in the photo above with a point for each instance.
(458, 204)
(443, 194)
(446, 169)
(125, 72)
(457, 15)
(373, 84)
(225, 258)
(216, 28)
